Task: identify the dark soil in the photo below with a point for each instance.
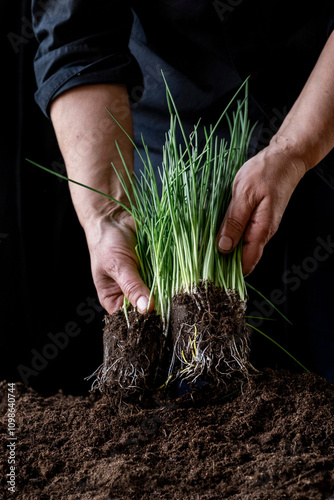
(274, 440)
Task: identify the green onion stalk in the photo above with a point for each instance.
(198, 184)
(176, 231)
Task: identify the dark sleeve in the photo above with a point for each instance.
(331, 25)
(82, 42)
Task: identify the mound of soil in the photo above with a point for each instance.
(274, 439)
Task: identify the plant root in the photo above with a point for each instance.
(211, 344)
(208, 340)
(133, 355)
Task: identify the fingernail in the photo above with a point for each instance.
(225, 243)
(142, 304)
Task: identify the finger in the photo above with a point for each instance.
(139, 296)
(134, 289)
(261, 227)
(233, 225)
(111, 300)
(251, 254)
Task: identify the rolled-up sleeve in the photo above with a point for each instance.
(82, 42)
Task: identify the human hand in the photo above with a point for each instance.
(111, 242)
(260, 194)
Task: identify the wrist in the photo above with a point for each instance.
(291, 152)
(93, 207)
(105, 225)
(110, 214)
(301, 142)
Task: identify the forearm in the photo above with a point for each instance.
(86, 135)
(263, 186)
(308, 130)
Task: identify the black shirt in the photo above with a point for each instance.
(205, 49)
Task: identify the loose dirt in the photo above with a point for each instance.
(272, 440)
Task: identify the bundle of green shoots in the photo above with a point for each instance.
(176, 231)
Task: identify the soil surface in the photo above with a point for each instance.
(273, 440)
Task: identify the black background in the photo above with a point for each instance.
(45, 277)
(45, 281)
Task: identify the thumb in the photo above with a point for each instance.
(135, 289)
(233, 227)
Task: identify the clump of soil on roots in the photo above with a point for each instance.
(134, 352)
(207, 341)
(210, 336)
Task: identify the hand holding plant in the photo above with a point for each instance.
(261, 191)
(114, 263)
